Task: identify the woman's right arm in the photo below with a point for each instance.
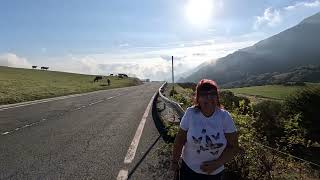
(179, 142)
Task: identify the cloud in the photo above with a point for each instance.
(12, 60)
(274, 17)
(153, 63)
(166, 57)
(312, 4)
(175, 58)
(303, 4)
(199, 54)
(124, 45)
(270, 17)
(155, 69)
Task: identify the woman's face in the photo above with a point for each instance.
(207, 99)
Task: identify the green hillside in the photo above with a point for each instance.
(278, 92)
(18, 85)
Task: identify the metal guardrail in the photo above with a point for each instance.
(176, 106)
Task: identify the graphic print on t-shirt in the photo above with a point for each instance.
(209, 143)
(216, 137)
(197, 141)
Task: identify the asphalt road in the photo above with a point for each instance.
(84, 137)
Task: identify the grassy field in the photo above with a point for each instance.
(276, 92)
(18, 85)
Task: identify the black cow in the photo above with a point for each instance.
(44, 68)
(97, 78)
(122, 75)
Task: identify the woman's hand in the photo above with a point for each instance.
(210, 166)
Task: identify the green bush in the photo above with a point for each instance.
(231, 102)
(183, 100)
(267, 121)
(306, 103)
(280, 125)
(173, 92)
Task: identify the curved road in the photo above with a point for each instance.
(82, 137)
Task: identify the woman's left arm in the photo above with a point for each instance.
(227, 155)
(231, 149)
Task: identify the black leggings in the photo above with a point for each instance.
(186, 173)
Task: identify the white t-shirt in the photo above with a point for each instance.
(205, 137)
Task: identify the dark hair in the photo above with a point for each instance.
(206, 85)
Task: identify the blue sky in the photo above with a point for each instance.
(137, 37)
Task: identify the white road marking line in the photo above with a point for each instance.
(11, 106)
(99, 101)
(96, 102)
(135, 142)
(27, 125)
(34, 123)
(123, 175)
(5, 133)
(44, 119)
(37, 102)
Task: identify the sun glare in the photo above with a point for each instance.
(199, 12)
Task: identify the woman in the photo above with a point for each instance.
(207, 137)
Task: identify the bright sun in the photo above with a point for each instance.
(199, 12)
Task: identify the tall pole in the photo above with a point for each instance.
(172, 77)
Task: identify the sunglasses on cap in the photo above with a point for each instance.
(210, 94)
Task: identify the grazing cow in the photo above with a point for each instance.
(34, 67)
(122, 76)
(97, 78)
(44, 68)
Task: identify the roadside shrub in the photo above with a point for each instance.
(231, 102)
(267, 121)
(281, 125)
(173, 92)
(184, 101)
(305, 102)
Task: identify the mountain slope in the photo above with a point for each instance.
(294, 47)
